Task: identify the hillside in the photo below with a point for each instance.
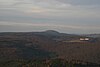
(47, 45)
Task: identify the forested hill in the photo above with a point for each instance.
(48, 45)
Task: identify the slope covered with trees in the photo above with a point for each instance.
(26, 48)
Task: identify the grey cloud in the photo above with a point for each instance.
(82, 2)
(82, 13)
(10, 28)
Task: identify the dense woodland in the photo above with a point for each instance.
(47, 49)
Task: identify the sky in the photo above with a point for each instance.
(68, 16)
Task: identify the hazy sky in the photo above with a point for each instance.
(70, 16)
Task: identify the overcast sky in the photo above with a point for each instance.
(70, 16)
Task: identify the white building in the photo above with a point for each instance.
(84, 39)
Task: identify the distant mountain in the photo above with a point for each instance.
(55, 35)
(51, 32)
(48, 34)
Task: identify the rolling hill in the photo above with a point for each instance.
(47, 45)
